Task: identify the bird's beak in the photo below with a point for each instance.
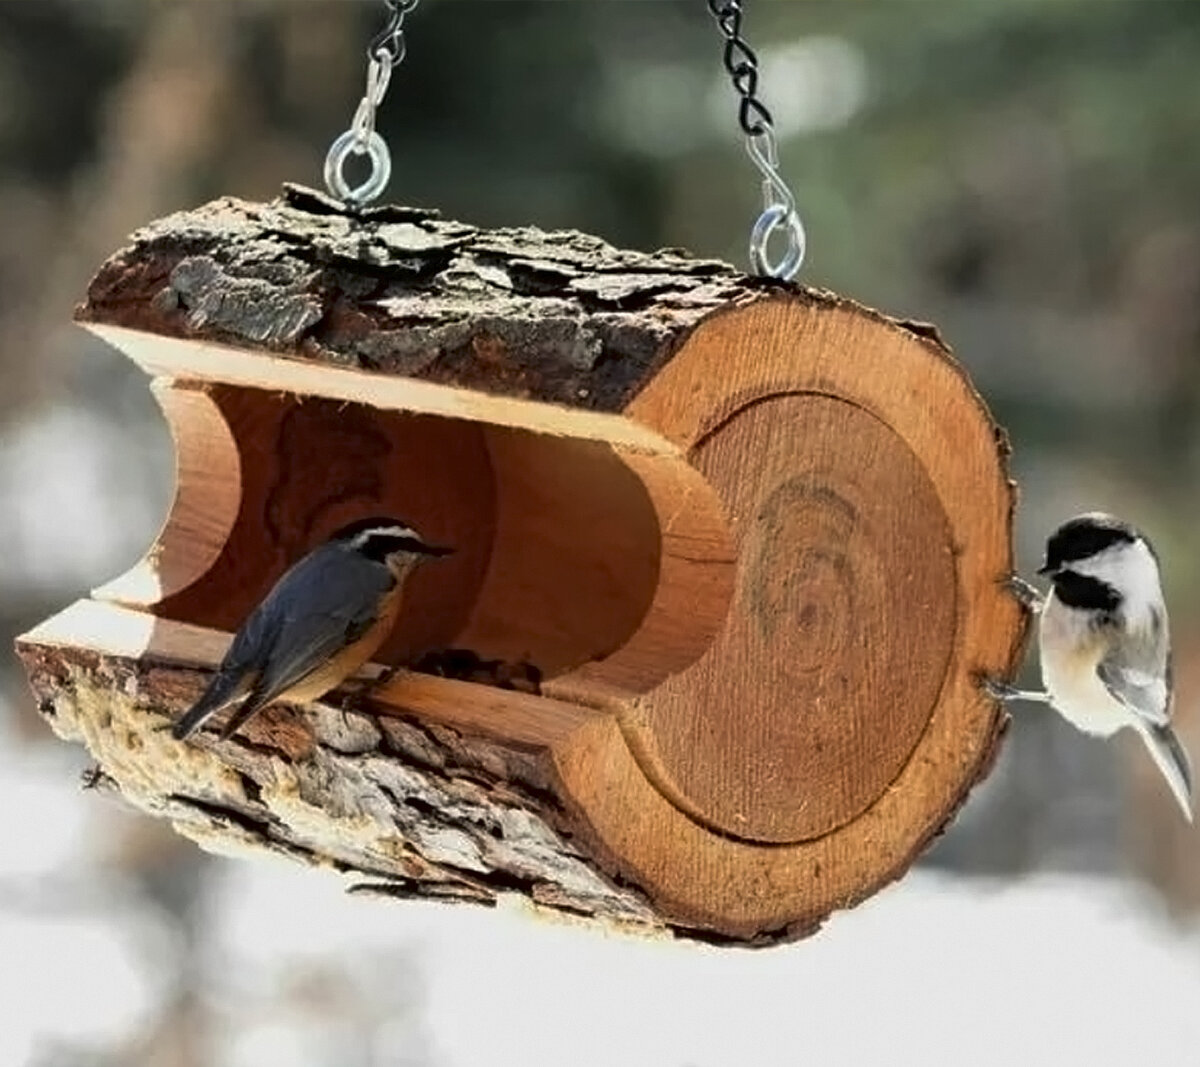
(437, 550)
(1045, 569)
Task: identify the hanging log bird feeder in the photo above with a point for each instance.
(729, 553)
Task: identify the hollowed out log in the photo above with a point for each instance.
(729, 556)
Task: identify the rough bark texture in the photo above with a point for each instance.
(750, 738)
(405, 808)
(561, 317)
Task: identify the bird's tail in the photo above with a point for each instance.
(222, 691)
(1172, 760)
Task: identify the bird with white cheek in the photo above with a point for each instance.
(324, 619)
(1104, 642)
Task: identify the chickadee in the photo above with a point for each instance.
(1104, 642)
(321, 622)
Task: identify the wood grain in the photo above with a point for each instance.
(750, 538)
(845, 610)
(208, 490)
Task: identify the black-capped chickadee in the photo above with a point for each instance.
(320, 623)
(1104, 641)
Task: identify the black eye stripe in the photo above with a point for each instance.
(405, 544)
(378, 545)
(379, 537)
(1081, 591)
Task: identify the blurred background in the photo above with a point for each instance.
(1025, 173)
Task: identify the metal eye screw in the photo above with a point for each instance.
(779, 209)
(779, 206)
(347, 144)
(386, 51)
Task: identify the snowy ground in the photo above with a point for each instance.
(937, 970)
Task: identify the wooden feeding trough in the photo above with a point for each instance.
(729, 555)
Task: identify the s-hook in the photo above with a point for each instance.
(385, 52)
(779, 206)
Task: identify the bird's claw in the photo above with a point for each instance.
(359, 688)
(996, 689)
(386, 675)
(1027, 593)
(1007, 694)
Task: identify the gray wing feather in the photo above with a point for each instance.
(1172, 760)
(320, 606)
(239, 672)
(1137, 672)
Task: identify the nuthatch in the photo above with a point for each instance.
(1104, 641)
(321, 622)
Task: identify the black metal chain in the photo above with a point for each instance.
(742, 65)
(779, 206)
(387, 49)
(388, 44)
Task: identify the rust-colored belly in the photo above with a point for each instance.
(346, 662)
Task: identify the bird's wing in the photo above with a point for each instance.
(1172, 760)
(238, 673)
(318, 608)
(1138, 674)
(226, 686)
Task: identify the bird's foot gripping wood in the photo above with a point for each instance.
(1007, 693)
(694, 516)
(369, 680)
(1027, 593)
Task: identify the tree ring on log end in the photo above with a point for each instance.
(863, 486)
(746, 471)
(845, 555)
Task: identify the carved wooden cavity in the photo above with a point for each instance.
(756, 588)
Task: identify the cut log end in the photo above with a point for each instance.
(730, 555)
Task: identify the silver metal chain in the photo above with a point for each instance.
(779, 206)
(385, 52)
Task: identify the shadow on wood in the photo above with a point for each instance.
(750, 537)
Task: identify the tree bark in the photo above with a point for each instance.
(559, 317)
(730, 556)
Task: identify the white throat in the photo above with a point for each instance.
(402, 564)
